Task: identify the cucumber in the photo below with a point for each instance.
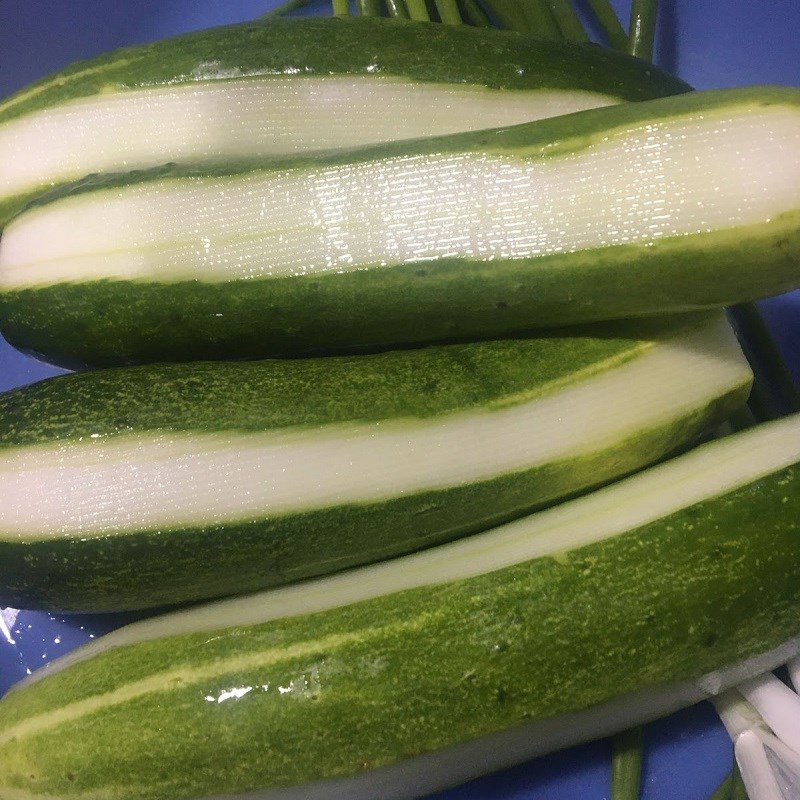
(608, 213)
(405, 677)
(290, 86)
(163, 484)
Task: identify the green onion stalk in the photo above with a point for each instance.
(369, 8)
(627, 756)
(474, 14)
(286, 8)
(448, 12)
(397, 8)
(642, 31)
(567, 20)
(774, 393)
(609, 24)
(418, 10)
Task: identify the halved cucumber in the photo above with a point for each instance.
(640, 208)
(290, 86)
(401, 678)
(163, 484)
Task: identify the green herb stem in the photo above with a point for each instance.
(609, 23)
(507, 14)
(738, 789)
(418, 10)
(774, 392)
(397, 8)
(369, 8)
(495, 14)
(285, 8)
(540, 19)
(526, 16)
(724, 790)
(741, 419)
(642, 33)
(341, 8)
(626, 764)
(567, 20)
(448, 12)
(474, 14)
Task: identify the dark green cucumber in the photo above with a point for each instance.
(608, 213)
(401, 678)
(287, 86)
(163, 484)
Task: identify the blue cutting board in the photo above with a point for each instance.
(709, 43)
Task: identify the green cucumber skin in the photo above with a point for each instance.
(427, 668)
(196, 563)
(106, 323)
(202, 562)
(264, 396)
(352, 46)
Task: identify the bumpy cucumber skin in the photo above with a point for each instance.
(193, 562)
(353, 46)
(109, 322)
(262, 396)
(427, 668)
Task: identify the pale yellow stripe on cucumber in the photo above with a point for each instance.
(215, 671)
(657, 180)
(431, 772)
(60, 81)
(258, 114)
(11, 793)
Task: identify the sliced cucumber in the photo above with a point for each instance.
(640, 208)
(404, 677)
(289, 86)
(169, 483)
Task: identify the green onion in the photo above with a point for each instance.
(643, 28)
(738, 789)
(448, 11)
(369, 8)
(761, 404)
(541, 19)
(774, 393)
(723, 791)
(741, 419)
(526, 16)
(626, 764)
(507, 14)
(341, 8)
(418, 10)
(474, 14)
(285, 8)
(397, 8)
(609, 23)
(567, 20)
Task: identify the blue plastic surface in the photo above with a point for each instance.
(709, 43)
